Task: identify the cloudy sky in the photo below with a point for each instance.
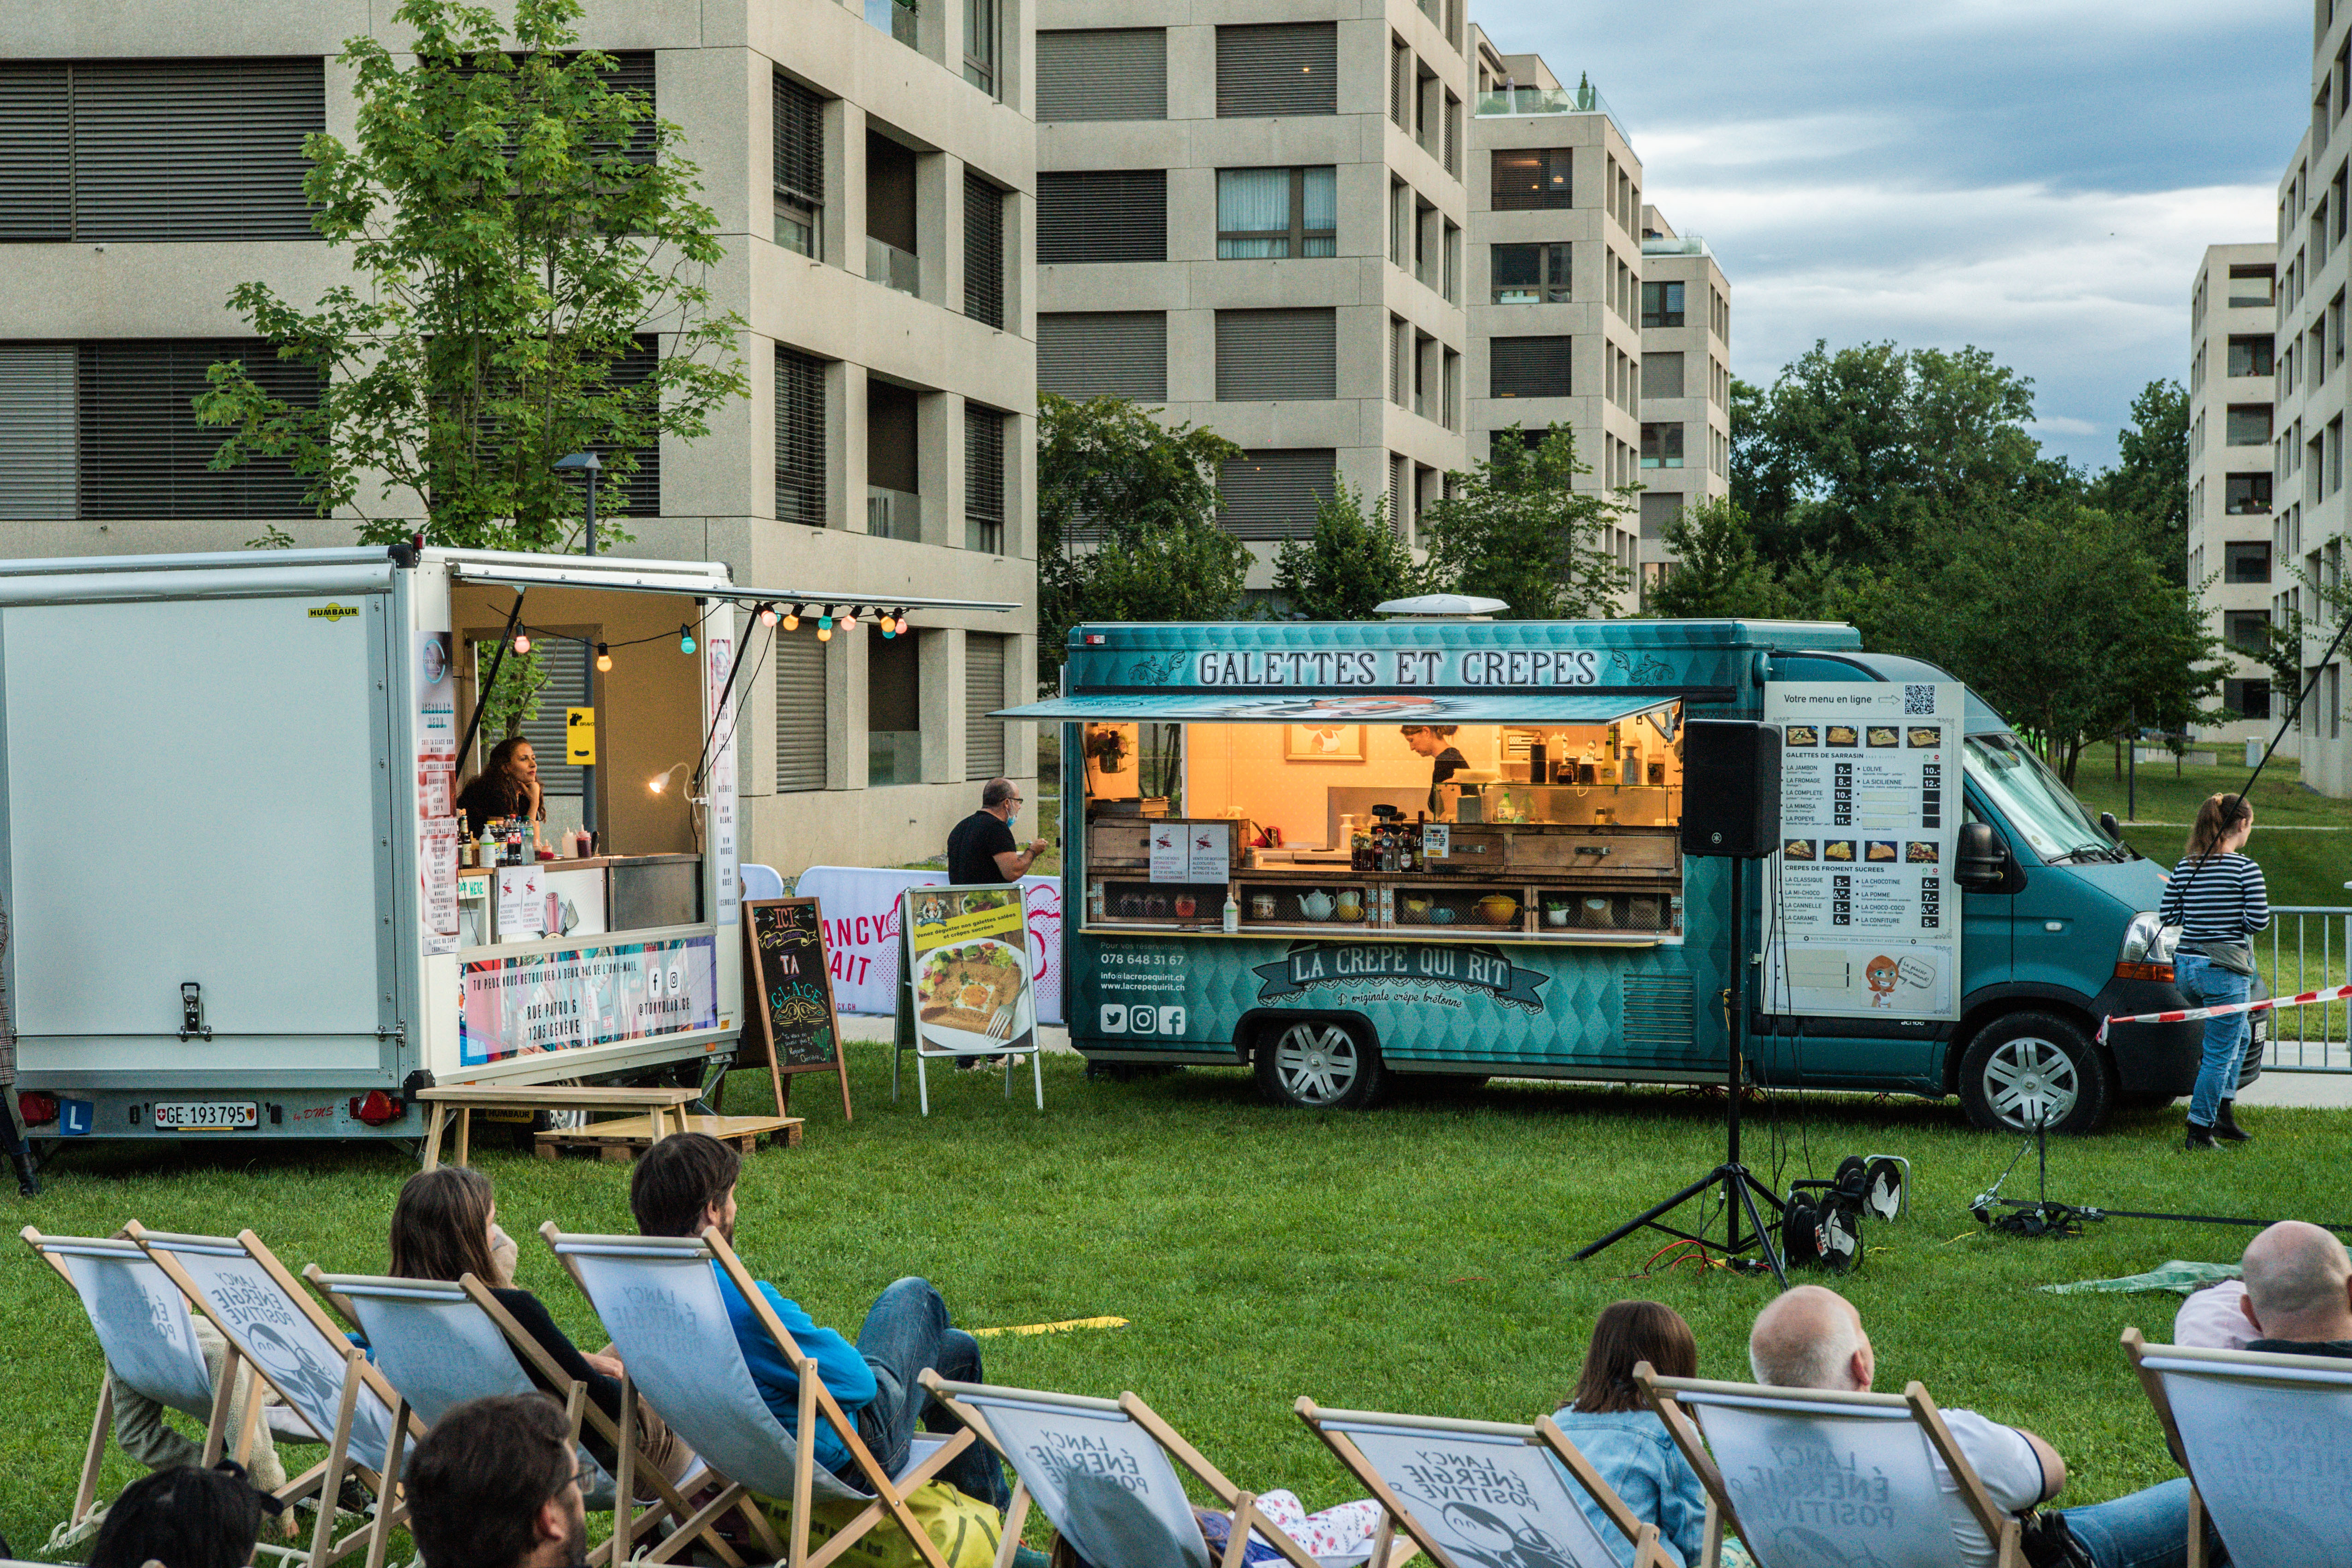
(2036, 177)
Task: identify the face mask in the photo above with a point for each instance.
(1012, 816)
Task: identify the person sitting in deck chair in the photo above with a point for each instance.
(1812, 1337)
(685, 1185)
(2298, 1291)
(497, 1485)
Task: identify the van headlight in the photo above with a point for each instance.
(2147, 952)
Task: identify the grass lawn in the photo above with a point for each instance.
(1415, 1258)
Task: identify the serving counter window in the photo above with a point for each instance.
(1566, 832)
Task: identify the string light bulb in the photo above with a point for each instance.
(825, 628)
(603, 659)
(849, 618)
(522, 643)
(685, 639)
(889, 627)
(767, 615)
(791, 618)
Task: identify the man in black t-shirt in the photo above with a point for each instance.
(1436, 741)
(981, 848)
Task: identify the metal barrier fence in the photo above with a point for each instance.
(2310, 950)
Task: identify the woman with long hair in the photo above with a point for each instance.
(445, 1226)
(1607, 1419)
(508, 786)
(2217, 898)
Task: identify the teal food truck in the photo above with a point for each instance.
(1338, 853)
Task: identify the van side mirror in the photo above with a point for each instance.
(2109, 826)
(1983, 858)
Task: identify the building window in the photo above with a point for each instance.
(2247, 630)
(1277, 355)
(1117, 214)
(798, 166)
(801, 732)
(894, 708)
(1273, 495)
(2248, 494)
(983, 480)
(1531, 179)
(1085, 354)
(1527, 367)
(1287, 68)
(893, 486)
(2251, 356)
(799, 439)
(1661, 375)
(1277, 213)
(983, 251)
(980, 44)
(1453, 289)
(983, 693)
(115, 417)
(158, 150)
(1661, 446)
(1530, 274)
(890, 255)
(2250, 287)
(1662, 305)
(2246, 561)
(2248, 699)
(2250, 424)
(1102, 73)
(898, 21)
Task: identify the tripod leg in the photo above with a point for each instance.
(1648, 1215)
(1763, 1237)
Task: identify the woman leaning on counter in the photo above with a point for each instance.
(508, 786)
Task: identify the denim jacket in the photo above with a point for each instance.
(1635, 1454)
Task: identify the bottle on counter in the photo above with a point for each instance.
(1233, 913)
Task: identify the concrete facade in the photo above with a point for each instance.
(1685, 384)
(2241, 526)
(716, 63)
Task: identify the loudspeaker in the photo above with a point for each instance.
(1731, 788)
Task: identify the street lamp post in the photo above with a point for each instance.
(588, 461)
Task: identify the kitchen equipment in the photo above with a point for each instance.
(1262, 905)
(1498, 908)
(1316, 905)
(1185, 906)
(1441, 916)
(1416, 907)
(1599, 912)
(1351, 906)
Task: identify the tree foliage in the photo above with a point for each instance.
(1516, 529)
(517, 224)
(1352, 563)
(2149, 483)
(1718, 572)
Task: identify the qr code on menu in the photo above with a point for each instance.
(1918, 701)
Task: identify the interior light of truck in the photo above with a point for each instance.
(36, 1110)
(522, 643)
(603, 659)
(685, 639)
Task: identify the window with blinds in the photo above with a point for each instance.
(1531, 179)
(141, 452)
(40, 475)
(800, 438)
(799, 661)
(639, 494)
(565, 663)
(632, 73)
(983, 479)
(983, 251)
(1111, 214)
(1103, 353)
(1527, 367)
(157, 149)
(1102, 73)
(797, 168)
(983, 693)
(1268, 355)
(1287, 68)
(1272, 495)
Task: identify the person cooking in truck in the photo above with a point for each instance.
(1436, 741)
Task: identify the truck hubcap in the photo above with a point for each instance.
(1315, 1063)
(2031, 1083)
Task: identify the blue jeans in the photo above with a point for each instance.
(905, 1331)
(2207, 985)
(2147, 1530)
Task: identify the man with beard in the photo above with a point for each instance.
(684, 1185)
(496, 1484)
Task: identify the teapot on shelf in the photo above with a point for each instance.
(1316, 905)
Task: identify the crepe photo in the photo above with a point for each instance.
(965, 986)
(1841, 735)
(1884, 735)
(1797, 850)
(1837, 849)
(1880, 849)
(1921, 852)
(1926, 734)
(1803, 735)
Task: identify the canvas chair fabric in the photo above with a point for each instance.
(1483, 1494)
(1811, 1480)
(2264, 1439)
(141, 1320)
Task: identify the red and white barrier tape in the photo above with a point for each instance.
(2186, 1015)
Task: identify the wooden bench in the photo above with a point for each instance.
(655, 1108)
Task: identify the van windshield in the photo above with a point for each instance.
(2032, 799)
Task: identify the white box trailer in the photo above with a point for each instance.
(230, 859)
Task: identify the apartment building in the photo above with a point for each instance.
(1255, 220)
(2239, 524)
(873, 170)
(1685, 391)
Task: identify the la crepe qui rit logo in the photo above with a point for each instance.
(1488, 969)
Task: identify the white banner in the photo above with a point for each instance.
(860, 904)
(586, 995)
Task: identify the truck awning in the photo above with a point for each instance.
(1369, 707)
(687, 579)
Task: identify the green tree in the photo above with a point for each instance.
(1147, 492)
(1350, 565)
(1516, 529)
(516, 224)
(1717, 571)
(2149, 483)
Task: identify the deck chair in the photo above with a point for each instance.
(1099, 1471)
(660, 1299)
(440, 1345)
(272, 1323)
(1523, 1504)
(149, 1339)
(2264, 1439)
(1863, 1487)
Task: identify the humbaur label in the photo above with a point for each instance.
(330, 610)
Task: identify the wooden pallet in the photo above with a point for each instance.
(626, 1137)
(459, 1102)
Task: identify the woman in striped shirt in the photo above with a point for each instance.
(2216, 896)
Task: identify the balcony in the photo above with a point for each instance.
(886, 265)
(893, 514)
(893, 19)
(1583, 98)
(1688, 244)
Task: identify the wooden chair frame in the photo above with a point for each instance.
(2003, 1529)
(325, 1480)
(1545, 1434)
(816, 1403)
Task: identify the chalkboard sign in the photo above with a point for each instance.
(787, 984)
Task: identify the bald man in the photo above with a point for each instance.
(2299, 1292)
(1813, 1338)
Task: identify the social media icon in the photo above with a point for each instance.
(1171, 1020)
(1114, 1018)
(1141, 1020)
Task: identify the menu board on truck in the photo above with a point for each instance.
(1864, 918)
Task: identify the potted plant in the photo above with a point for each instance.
(1107, 748)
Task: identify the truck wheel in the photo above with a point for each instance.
(1319, 1064)
(2030, 1066)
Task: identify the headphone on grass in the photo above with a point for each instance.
(1821, 1225)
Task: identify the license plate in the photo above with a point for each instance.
(206, 1116)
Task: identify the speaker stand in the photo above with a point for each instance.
(1740, 1187)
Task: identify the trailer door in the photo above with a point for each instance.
(199, 790)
